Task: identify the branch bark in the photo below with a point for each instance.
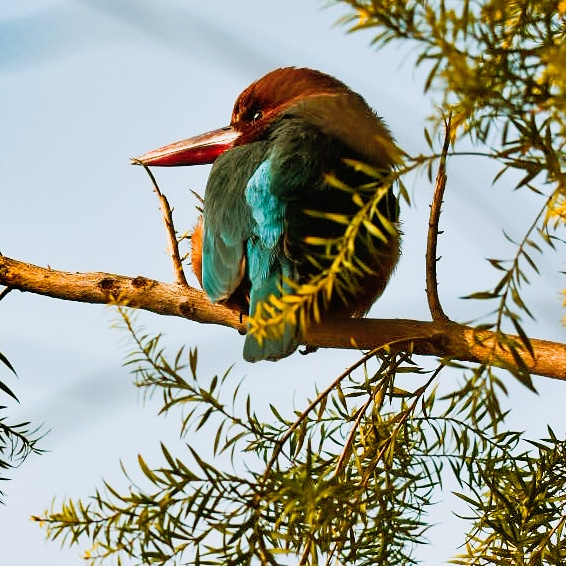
(171, 232)
(444, 339)
(434, 304)
(172, 299)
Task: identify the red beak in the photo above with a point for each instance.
(198, 150)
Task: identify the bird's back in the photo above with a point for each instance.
(305, 153)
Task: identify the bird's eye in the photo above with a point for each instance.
(257, 116)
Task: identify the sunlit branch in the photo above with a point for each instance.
(437, 338)
(434, 304)
(171, 299)
(171, 233)
(5, 292)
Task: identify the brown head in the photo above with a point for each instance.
(319, 98)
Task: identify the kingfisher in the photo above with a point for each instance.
(301, 158)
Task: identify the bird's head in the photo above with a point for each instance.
(319, 98)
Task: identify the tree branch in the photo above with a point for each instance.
(438, 338)
(171, 299)
(434, 305)
(444, 339)
(170, 227)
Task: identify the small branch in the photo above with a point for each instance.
(443, 339)
(5, 292)
(312, 405)
(347, 450)
(171, 233)
(404, 415)
(434, 305)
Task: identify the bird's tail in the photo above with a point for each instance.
(274, 346)
(272, 349)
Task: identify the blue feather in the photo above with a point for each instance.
(267, 209)
(223, 265)
(268, 266)
(228, 221)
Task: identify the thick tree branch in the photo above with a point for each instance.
(439, 338)
(170, 299)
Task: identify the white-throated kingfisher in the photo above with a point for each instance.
(282, 181)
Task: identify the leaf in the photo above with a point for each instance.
(8, 391)
(523, 336)
(276, 413)
(146, 470)
(428, 138)
(193, 358)
(522, 372)
(6, 362)
(482, 295)
(375, 231)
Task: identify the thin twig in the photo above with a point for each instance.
(404, 416)
(346, 451)
(434, 305)
(281, 442)
(200, 208)
(305, 555)
(180, 278)
(4, 292)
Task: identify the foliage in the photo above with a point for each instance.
(499, 67)
(349, 476)
(346, 480)
(519, 512)
(16, 440)
(299, 495)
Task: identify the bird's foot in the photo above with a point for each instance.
(308, 350)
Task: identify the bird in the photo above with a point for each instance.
(279, 195)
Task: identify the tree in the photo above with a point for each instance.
(349, 476)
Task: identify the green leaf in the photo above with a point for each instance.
(8, 391)
(7, 363)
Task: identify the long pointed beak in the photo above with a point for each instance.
(197, 150)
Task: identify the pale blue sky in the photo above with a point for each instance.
(85, 85)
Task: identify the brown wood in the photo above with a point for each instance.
(440, 338)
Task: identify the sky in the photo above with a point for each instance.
(87, 84)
